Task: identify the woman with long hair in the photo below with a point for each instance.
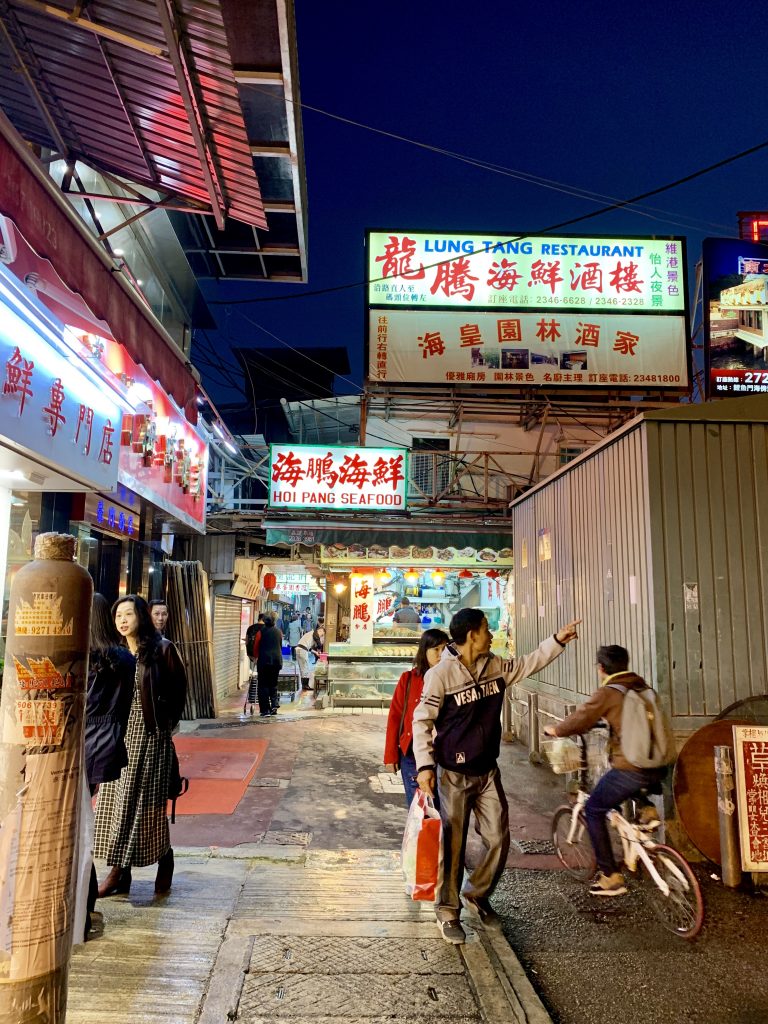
(131, 813)
(398, 746)
(269, 663)
(111, 671)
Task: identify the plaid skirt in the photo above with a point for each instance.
(131, 826)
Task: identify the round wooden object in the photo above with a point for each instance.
(694, 786)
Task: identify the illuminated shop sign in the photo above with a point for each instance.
(409, 269)
(110, 517)
(52, 406)
(735, 316)
(337, 477)
(434, 346)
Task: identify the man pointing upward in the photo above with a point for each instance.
(456, 741)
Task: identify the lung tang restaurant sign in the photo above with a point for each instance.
(334, 477)
(751, 746)
(465, 309)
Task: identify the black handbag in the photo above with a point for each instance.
(178, 784)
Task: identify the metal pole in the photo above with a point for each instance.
(730, 857)
(534, 743)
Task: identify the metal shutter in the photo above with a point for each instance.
(226, 646)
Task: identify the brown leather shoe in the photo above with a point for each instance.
(117, 881)
(164, 873)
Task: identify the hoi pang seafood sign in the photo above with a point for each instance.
(338, 477)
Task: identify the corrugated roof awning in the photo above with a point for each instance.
(143, 89)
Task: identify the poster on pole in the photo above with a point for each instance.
(750, 744)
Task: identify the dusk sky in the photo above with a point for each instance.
(611, 98)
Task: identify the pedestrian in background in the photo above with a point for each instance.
(131, 813)
(158, 611)
(111, 671)
(398, 745)
(269, 662)
(295, 631)
(252, 641)
(311, 642)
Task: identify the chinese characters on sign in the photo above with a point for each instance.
(751, 749)
(436, 346)
(736, 316)
(361, 609)
(313, 476)
(411, 269)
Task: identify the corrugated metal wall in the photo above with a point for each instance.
(226, 646)
(659, 542)
(709, 505)
(597, 520)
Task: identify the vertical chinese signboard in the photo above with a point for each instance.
(751, 747)
(337, 477)
(361, 609)
(735, 316)
(575, 311)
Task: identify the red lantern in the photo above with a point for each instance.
(269, 581)
(493, 574)
(465, 574)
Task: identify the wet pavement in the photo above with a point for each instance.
(292, 909)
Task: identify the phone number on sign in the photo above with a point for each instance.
(656, 378)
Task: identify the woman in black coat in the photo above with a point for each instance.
(131, 814)
(269, 663)
(111, 670)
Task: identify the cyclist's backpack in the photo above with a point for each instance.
(647, 740)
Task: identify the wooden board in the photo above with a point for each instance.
(694, 786)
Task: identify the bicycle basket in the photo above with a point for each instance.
(563, 755)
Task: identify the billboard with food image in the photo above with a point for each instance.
(415, 555)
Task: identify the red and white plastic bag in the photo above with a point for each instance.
(422, 854)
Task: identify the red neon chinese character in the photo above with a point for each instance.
(388, 471)
(545, 273)
(85, 421)
(105, 451)
(18, 377)
(363, 590)
(396, 261)
(431, 344)
(589, 277)
(625, 343)
(503, 276)
(321, 470)
(547, 330)
(624, 279)
(354, 470)
(287, 469)
(509, 330)
(750, 266)
(54, 409)
(360, 611)
(470, 336)
(454, 278)
(588, 335)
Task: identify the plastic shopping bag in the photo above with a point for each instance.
(422, 853)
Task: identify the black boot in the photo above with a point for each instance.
(164, 873)
(117, 881)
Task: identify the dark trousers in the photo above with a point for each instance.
(616, 786)
(460, 795)
(267, 688)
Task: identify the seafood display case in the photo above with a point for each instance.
(365, 677)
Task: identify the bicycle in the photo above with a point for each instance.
(669, 884)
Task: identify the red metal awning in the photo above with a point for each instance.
(52, 228)
(143, 89)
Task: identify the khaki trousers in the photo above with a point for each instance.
(459, 796)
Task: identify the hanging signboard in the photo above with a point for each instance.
(337, 477)
(735, 316)
(433, 346)
(751, 748)
(361, 609)
(462, 271)
(427, 556)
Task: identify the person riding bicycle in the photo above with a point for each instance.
(623, 780)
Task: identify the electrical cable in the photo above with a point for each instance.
(609, 208)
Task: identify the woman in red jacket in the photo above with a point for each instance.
(398, 748)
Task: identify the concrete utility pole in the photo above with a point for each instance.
(41, 773)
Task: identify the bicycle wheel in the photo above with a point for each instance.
(576, 855)
(682, 912)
